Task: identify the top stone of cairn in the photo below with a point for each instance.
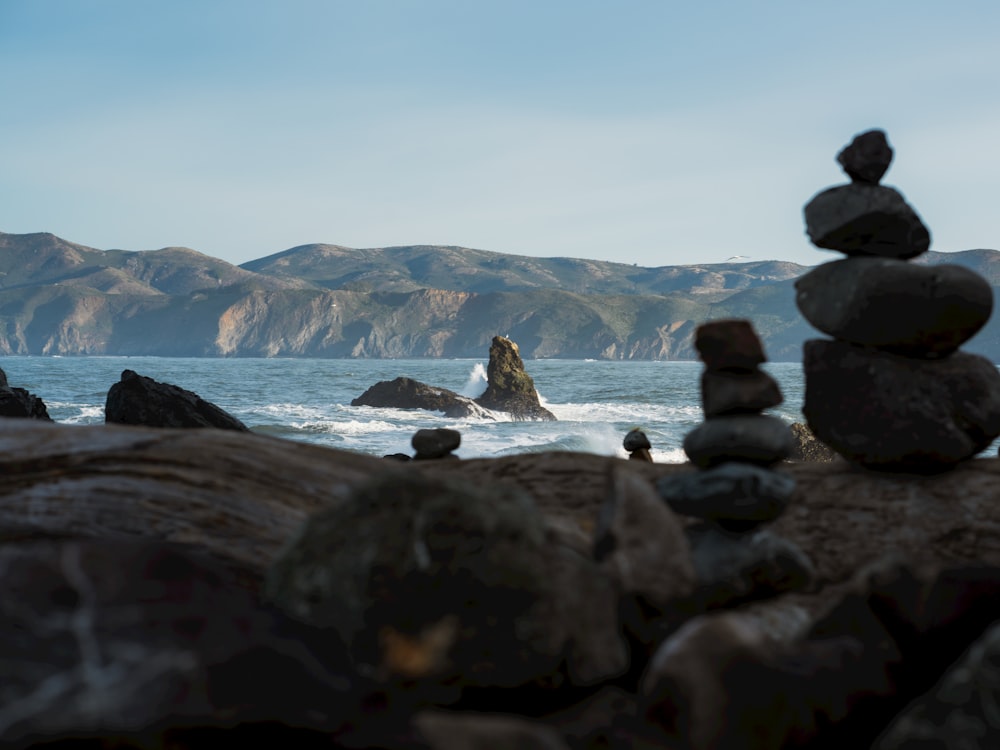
(867, 157)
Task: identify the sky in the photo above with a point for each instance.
(641, 131)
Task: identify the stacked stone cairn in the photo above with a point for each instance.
(433, 444)
(736, 492)
(891, 391)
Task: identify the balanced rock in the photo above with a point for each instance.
(406, 393)
(884, 411)
(138, 400)
(730, 491)
(637, 445)
(917, 311)
(729, 345)
(738, 392)
(18, 402)
(510, 389)
(437, 443)
(753, 438)
(863, 219)
(867, 157)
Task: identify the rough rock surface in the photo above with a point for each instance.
(105, 481)
(808, 448)
(889, 412)
(469, 577)
(510, 389)
(862, 219)
(112, 637)
(961, 710)
(138, 400)
(406, 393)
(17, 402)
(860, 300)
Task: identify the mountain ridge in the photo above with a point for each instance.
(321, 300)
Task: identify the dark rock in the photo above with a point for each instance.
(732, 568)
(641, 544)
(110, 637)
(405, 393)
(729, 345)
(510, 389)
(861, 219)
(138, 400)
(960, 711)
(867, 157)
(17, 402)
(917, 311)
(754, 438)
(478, 731)
(725, 392)
(635, 440)
(397, 456)
(721, 681)
(438, 443)
(895, 413)
(451, 586)
(730, 491)
(808, 448)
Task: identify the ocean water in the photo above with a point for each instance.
(596, 402)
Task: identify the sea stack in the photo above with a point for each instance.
(891, 390)
(737, 492)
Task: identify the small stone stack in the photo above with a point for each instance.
(736, 492)
(432, 444)
(891, 391)
(637, 445)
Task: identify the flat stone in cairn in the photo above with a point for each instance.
(728, 392)
(889, 412)
(735, 568)
(731, 491)
(438, 443)
(867, 157)
(729, 345)
(864, 219)
(753, 438)
(917, 311)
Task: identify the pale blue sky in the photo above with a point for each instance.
(657, 133)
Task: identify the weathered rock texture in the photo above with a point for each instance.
(510, 388)
(239, 499)
(138, 400)
(17, 402)
(406, 393)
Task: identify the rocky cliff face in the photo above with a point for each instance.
(60, 298)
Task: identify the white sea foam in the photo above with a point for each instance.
(86, 415)
(476, 383)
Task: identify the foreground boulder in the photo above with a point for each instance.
(17, 402)
(510, 388)
(138, 400)
(406, 393)
(141, 641)
(452, 585)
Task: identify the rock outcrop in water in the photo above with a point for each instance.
(138, 400)
(510, 390)
(18, 402)
(509, 387)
